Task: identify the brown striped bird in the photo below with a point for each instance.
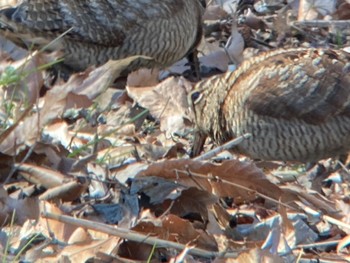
(92, 32)
(294, 102)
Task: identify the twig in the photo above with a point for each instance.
(336, 222)
(322, 23)
(224, 147)
(318, 244)
(136, 237)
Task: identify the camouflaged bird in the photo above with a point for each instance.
(294, 102)
(96, 31)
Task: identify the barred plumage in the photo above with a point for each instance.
(107, 29)
(294, 102)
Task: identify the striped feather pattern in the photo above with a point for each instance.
(294, 102)
(106, 29)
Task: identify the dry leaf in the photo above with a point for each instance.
(40, 175)
(167, 102)
(242, 174)
(258, 256)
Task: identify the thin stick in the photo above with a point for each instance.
(318, 244)
(134, 236)
(227, 146)
(322, 23)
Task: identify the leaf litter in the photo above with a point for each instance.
(95, 172)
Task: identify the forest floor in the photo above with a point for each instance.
(98, 171)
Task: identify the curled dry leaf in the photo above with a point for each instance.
(216, 57)
(183, 201)
(66, 192)
(80, 235)
(194, 204)
(210, 177)
(58, 133)
(220, 58)
(61, 186)
(98, 176)
(92, 83)
(41, 176)
(235, 46)
(156, 188)
(183, 231)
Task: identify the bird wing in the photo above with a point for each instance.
(310, 85)
(103, 22)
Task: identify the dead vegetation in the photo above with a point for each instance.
(94, 173)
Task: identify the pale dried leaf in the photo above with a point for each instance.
(258, 256)
(345, 242)
(143, 77)
(60, 231)
(166, 102)
(68, 191)
(80, 235)
(40, 175)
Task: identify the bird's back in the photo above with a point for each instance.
(295, 103)
(95, 31)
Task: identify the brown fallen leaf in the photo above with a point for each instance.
(171, 228)
(166, 102)
(20, 209)
(143, 77)
(80, 235)
(66, 192)
(211, 178)
(41, 176)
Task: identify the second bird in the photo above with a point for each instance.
(295, 103)
(165, 30)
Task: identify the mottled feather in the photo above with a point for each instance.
(107, 29)
(294, 102)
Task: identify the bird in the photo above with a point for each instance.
(294, 102)
(93, 32)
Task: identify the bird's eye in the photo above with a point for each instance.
(196, 97)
